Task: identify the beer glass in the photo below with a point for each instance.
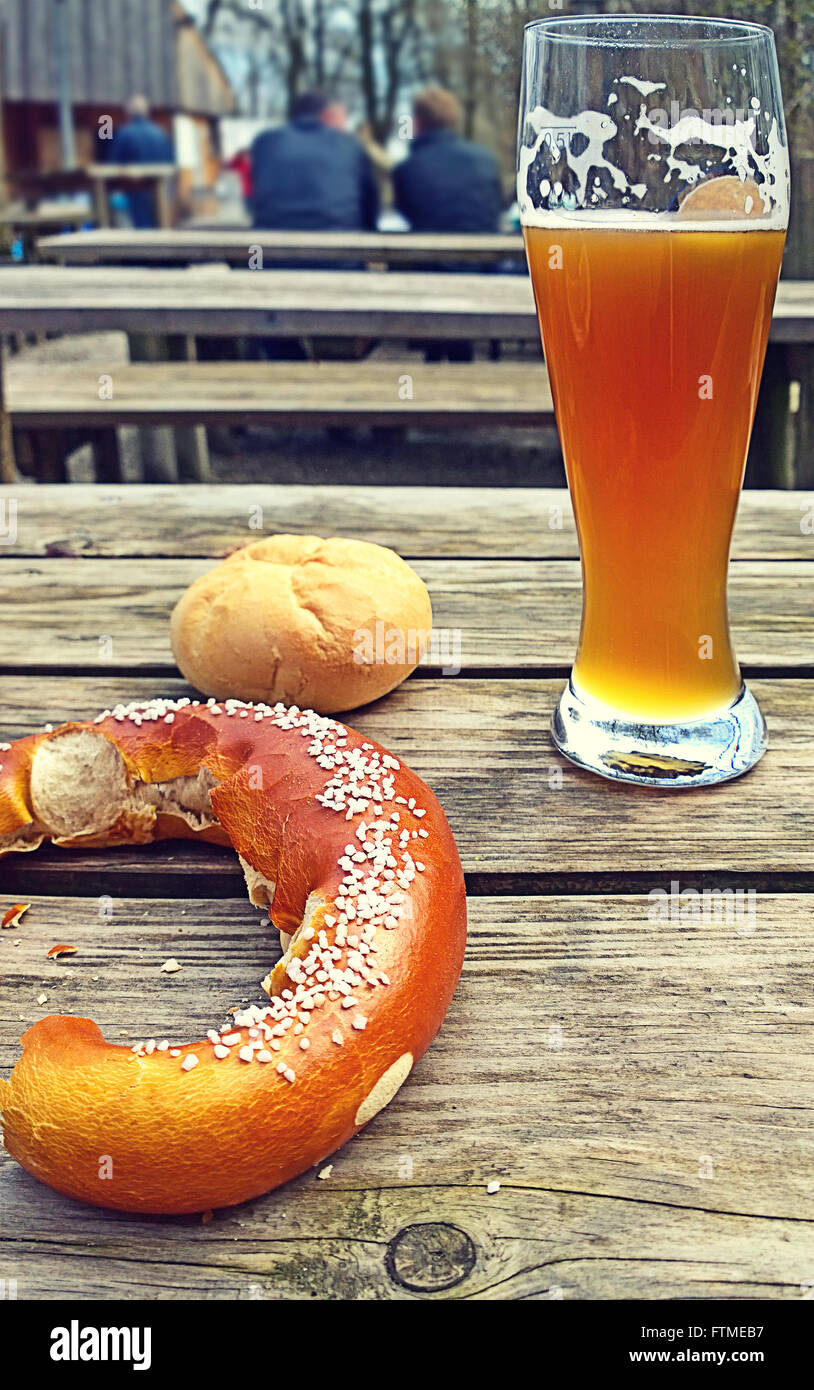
(653, 186)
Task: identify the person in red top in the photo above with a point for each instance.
(241, 164)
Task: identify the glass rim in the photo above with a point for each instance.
(722, 30)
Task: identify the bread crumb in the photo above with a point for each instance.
(11, 919)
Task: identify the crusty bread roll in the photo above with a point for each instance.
(326, 625)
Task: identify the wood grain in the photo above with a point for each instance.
(515, 806)
(420, 522)
(643, 1092)
(516, 615)
(65, 299)
(406, 393)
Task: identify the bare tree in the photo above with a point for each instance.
(211, 16)
(277, 42)
(295, 25)
(470, 99)
(380, 49)
(387, 33)
(368, 46)
(319, 42)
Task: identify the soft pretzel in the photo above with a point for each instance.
(355, 858)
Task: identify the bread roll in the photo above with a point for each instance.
(326, 625)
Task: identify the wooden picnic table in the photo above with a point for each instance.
(163, 310)
(25, 224)
(642, 1090)
(104, 178)
(239, 247)
(99, 180)
(298, 303)
(47, 215)
(31, 223)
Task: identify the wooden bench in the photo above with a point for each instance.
(176, 305)
(51, 404)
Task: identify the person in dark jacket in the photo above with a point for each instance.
(311, 175)
(141, 141)
(446, 183)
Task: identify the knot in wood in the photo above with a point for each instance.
(430, 1256)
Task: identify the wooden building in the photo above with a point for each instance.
(115, 48)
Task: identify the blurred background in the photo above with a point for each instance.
(218, 72)
(210, 98)
(376, 53)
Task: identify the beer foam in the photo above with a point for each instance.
(638, 220)
(550, 205)
(644, 89)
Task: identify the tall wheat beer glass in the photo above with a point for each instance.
(654, 191)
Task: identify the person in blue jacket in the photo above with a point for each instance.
(311, 175)
(446, 183)
(141, 141)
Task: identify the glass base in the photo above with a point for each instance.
(695, 753)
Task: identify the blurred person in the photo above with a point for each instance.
(311, 175)
(241, 164)
(141, 141)
(446, 183)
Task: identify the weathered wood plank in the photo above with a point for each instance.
(306, 1243)
(514, 805)
(250, 393)
(472, 523)
(520, 615)
(643, 1092)
(287, 303)
(300, 303)
(239, 246)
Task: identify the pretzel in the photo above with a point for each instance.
(355, 859)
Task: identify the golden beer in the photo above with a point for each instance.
(654, 341)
